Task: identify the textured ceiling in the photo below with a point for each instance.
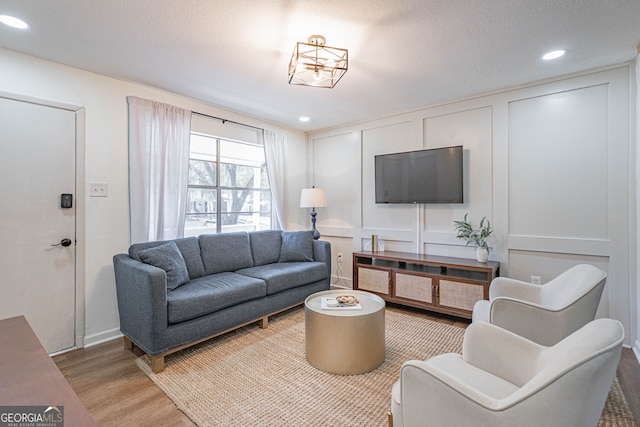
(404, 54)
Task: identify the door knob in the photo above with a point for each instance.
(63, 242)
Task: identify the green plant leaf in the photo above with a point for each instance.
(478, 236)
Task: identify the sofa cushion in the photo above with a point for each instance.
(225, 252)
(265, 246)
(286, 275)
(167, 257)
(296, 246)
(212, 293)
(189, 248)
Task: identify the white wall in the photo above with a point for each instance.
(106, 221)
(636, 112)
(552, 165)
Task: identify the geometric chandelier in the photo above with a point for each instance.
(314, 64)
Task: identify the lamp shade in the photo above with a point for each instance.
(313, 198)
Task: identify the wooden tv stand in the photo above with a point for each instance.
(443, 284)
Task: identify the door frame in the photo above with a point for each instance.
(80, 246)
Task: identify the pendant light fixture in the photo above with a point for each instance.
(315, 64)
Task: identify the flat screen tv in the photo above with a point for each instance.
(423, 176)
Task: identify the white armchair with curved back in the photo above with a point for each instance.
(502, 379)
(544, 313)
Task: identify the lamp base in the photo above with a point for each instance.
(316, 233)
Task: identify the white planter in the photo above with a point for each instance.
(482, 254)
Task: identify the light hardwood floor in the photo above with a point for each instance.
(116, 392)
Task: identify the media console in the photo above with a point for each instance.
(443, 284)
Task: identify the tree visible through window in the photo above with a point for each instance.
(228, 187)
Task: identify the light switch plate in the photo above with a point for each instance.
(98, 189)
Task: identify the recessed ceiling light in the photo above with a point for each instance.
(13, 22)
(304, 119)
(554, 54)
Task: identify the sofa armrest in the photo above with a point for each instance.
(322, 253)
(142, 302)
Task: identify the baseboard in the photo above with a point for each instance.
(340, 282)
(102, 337)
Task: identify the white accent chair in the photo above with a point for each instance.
(544, 313)
(502, 379)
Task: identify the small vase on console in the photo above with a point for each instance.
(482, 254)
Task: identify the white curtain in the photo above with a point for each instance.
(274, 156)
(158, 169)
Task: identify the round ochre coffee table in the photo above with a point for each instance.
(345, 340)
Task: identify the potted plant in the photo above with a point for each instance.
(476, 236)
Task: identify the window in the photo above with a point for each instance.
(228, 187)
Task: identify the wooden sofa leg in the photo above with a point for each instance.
(157, 364)
(128, 344)
(390, 418)
(131, 346)
(264, 322)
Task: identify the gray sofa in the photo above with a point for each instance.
(173, 294)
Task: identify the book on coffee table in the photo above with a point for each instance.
(328, 303)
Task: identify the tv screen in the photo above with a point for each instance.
(424, 176)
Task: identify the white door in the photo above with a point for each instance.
(37, 166)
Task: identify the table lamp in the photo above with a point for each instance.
(313, 198)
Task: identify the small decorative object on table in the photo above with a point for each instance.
(347, 299)
(375, 244)
(476, 236)
(340, 302)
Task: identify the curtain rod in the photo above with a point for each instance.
(225, 120)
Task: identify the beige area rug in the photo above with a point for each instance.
(260, 377)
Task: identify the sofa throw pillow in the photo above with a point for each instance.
(296, 246)
(167, 257)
